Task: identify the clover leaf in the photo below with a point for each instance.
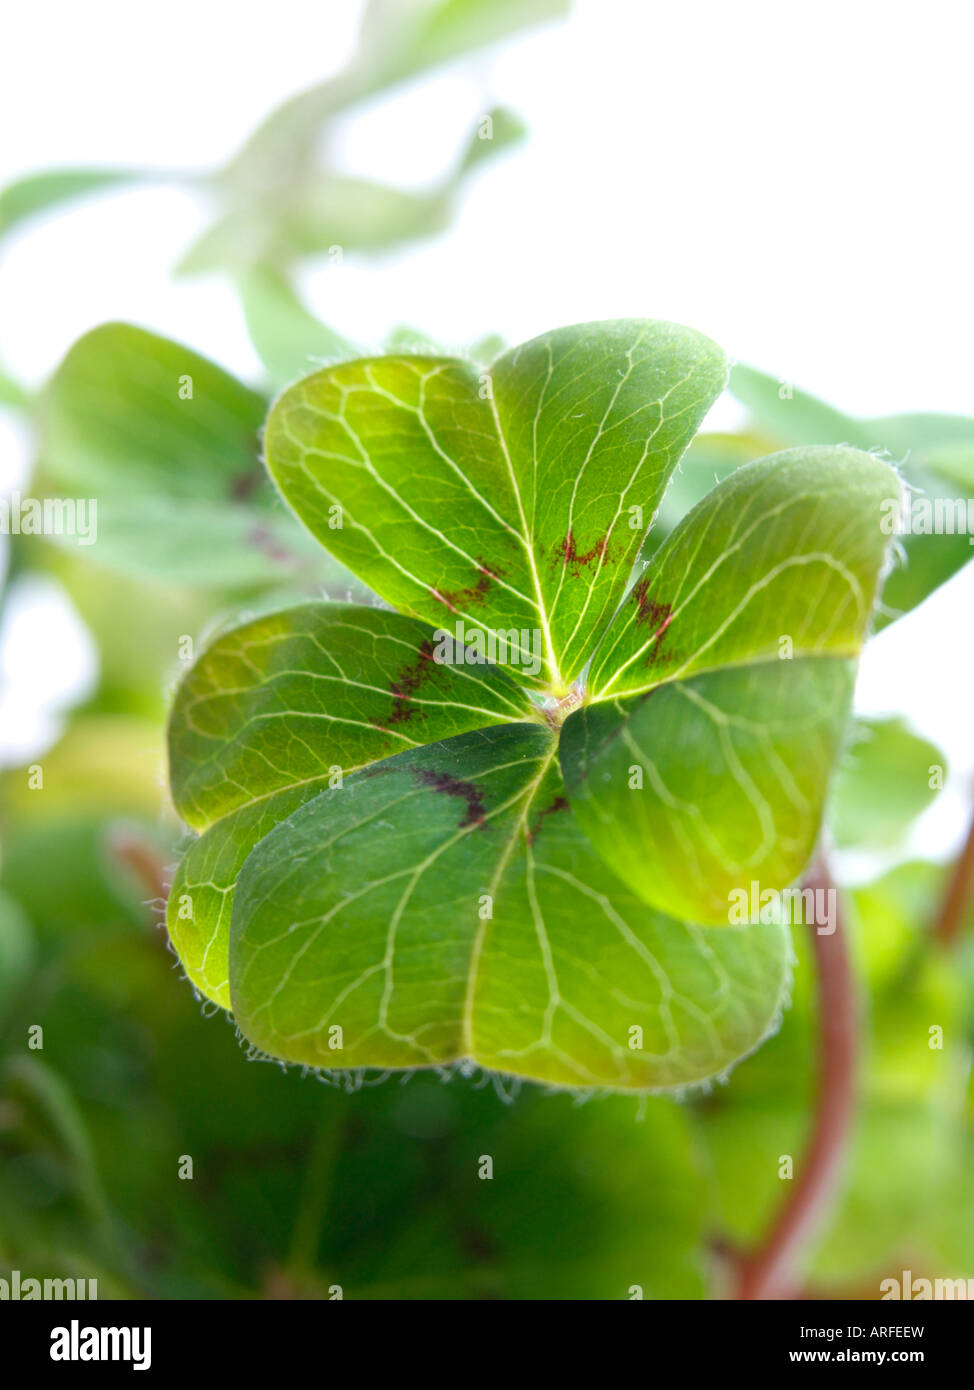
(501, 826)
(720, 697)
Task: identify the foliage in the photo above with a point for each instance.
(299, 1188)
(360, 906)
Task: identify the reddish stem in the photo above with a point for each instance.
(767, 1273)
(957, 899)
(142, 859)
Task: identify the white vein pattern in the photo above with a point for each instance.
(430, 392)
(516, 878)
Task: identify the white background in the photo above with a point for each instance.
(793, 179)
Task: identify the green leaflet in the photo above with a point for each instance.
(700, 787)
(713, 773)
(781, 559)
(514, 500)
(277, 701)
(282, 707)
(200, 899)
(443, 906)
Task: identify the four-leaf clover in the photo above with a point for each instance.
(410, 856)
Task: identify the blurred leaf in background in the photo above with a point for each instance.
(45, 192)
(888, 777)
(287, 337)
(168, 445)
(935, 454)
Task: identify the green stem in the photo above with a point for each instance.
(313, 1202)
